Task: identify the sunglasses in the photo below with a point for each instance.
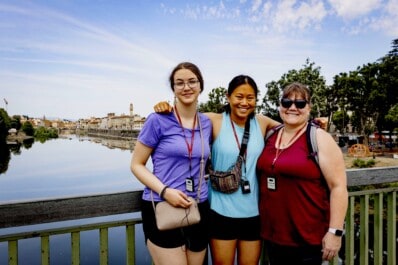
(299, 103)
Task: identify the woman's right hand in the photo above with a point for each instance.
(177, 198)
(163, 107)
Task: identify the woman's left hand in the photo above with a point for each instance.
(331, 245)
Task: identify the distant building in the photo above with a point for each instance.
(113, 122)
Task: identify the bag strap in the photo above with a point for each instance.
(202, 163)
(202, 160)
(245, 138)
(312, 141)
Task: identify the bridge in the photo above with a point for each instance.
(370, 225)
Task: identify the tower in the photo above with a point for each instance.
(131, 116)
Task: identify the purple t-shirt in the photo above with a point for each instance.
(170, 158)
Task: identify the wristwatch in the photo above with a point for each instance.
(335, 231)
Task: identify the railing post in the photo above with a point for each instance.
(378, 229)
(364, 230)
(13, 252)
(350, 232)
(104, 246)
(392, 228)
(45, 250)
(130, 244)
(75, 248)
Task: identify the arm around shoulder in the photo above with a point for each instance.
(266, 122)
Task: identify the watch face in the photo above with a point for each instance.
(338, 232)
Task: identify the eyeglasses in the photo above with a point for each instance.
(192, 84)
(299, 103)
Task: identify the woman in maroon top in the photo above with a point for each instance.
(302, 205)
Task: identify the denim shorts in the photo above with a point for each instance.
(194, 237)
(227, 228)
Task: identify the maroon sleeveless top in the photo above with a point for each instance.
(296, 213)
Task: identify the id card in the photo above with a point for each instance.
(271, 183)
(245, 185)
(189, 184)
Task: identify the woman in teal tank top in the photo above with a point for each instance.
(234, 219)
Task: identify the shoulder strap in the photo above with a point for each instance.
(245, 138)
(310, 136)
(272, 131)
(312, 142)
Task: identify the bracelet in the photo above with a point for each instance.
(161, 194)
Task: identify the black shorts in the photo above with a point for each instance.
(303, 255)
(227, 228)
(194, 237)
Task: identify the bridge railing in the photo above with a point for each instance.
(370, 237)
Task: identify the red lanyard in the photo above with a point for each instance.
(189, 146)
(279, 150)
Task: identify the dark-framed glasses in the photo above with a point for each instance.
(192, 84)
(299, 103)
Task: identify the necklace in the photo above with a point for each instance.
(279, 140)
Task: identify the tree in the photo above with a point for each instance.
(340, 120)
(16, 122)
(217, 101)
(27, 128)
(4, 124)
(309, 75)
(392, 117)
(388, 80)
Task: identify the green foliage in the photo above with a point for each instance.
(217, 101)
(360, 163)
(27, 128)
(4, 124)
(392, 116)
(43, 133)
(16, 122)
(340, 120)
(308, 75)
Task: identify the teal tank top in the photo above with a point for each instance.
(223, 155)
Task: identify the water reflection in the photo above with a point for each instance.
(111, 143)
(5, 156)
(66, 166)
(6, 148)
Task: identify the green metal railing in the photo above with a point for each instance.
(75, 232)
(370, 237)
(371, 227)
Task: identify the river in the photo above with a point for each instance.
(64, 167)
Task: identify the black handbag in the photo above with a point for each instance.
(230, 180)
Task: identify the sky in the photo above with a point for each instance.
(76, 59)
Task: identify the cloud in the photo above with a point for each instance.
(389, 20)
(352, 9)
(306, 15)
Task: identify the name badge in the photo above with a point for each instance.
(271, 183)
(189, 184)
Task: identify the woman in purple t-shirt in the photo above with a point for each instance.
(174, 142)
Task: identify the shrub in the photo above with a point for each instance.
(43, 133)
(362, 163)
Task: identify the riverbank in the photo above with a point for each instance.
(385, 160)
(17, 138)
